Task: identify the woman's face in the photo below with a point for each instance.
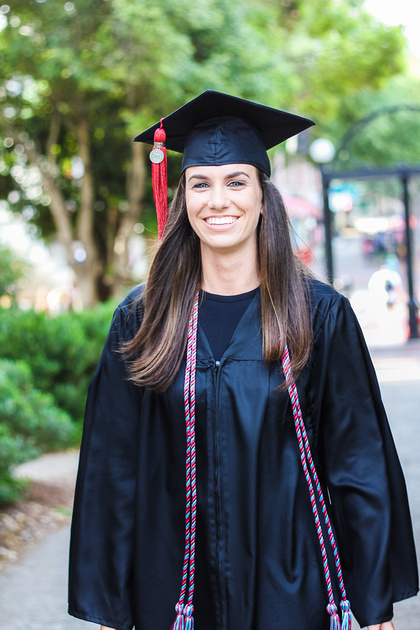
(224, 204)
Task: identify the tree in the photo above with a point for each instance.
(11, 271)
(80, 79)
(387, 129)
(328, 51)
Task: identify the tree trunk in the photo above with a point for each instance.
(136, 179)
(46, 168)
(89, 270)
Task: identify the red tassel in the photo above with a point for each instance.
(160, 177)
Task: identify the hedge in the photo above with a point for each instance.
(61, 351)
(30, 424)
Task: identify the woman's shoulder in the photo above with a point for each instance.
(129, 313)
(133, 300)
(321, 292)
(325, 302)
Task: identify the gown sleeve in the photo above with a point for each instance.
(362, 471)
(101, 548)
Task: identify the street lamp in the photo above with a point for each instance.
(322, 151)
(412, 304)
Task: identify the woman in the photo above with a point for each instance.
(198, 484)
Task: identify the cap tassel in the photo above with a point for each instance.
(160, 177)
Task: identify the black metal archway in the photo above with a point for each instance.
(403, 173)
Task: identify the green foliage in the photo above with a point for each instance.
(12, 453)
(328, 50)
(43, 383)
(62, 351)
(388, 130)
(30, 413)
(113, 67)
(125, 62)
(30, 424)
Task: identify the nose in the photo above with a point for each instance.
(218, 199)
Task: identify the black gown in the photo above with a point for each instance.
(258, 563)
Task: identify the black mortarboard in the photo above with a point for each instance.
(215, 129)
(271, 126)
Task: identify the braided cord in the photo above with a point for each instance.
(306, 458)
(184, 619)
(193, 451)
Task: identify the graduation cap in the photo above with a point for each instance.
(215, 129)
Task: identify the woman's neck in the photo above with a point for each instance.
(227, 274)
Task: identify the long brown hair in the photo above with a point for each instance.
(156, 351)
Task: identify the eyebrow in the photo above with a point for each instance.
(230, 176)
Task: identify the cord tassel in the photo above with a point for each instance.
(160, 177)
(189, 619)
(178, 624)
(334, 618)
(346, 615)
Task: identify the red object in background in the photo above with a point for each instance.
(305, 255)
(301, 208)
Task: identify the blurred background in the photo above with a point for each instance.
(77, 223)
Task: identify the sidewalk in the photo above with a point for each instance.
(398, 370)
(33, 591)
(56, 468)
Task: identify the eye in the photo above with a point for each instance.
(236, 183)
(201, 185)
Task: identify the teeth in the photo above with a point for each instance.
(221, 220)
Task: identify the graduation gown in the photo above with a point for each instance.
(258, 562)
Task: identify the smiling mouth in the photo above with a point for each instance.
(221, 220)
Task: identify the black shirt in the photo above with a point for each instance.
(219, 315)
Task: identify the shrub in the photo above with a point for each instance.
(12, 453)
(30, 424)
(29, 413)
(61, 351)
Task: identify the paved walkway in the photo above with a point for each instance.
(52, 468)
(33, 592)
(398, 370)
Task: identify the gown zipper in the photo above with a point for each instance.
(218, 501)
